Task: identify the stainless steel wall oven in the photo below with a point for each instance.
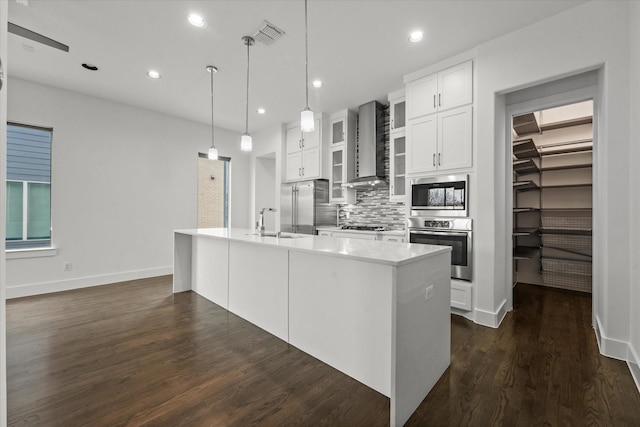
(453, 232)
(440, 196)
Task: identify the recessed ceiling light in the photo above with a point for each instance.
(197, 20)
(90, 67)
(153, 74)
(317, 83)
(416, 36)
(261, 111)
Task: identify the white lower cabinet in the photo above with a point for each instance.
(461, 295)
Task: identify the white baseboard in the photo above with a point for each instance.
(491, 319)
(83, 282)
(464, 313)
(610, 347)
(633, 361)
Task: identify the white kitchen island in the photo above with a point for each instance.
(377, 311)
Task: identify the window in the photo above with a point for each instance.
(213, 191)
(28, 187)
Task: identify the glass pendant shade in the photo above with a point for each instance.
(213, 153)
(307, 121)
(246, 143)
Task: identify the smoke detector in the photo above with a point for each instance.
(268, 33)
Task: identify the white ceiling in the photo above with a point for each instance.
(358, 48)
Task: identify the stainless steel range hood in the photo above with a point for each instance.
(370, 173)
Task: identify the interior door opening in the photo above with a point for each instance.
(552, 158)
(213, 192)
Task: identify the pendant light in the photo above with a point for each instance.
(213, 151)
(246, 144)
(307, 121)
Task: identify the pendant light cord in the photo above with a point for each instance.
(306, 56)
(248, 41)
(212, 127)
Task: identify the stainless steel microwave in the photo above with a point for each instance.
(446, 195)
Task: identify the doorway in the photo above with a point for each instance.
(552, 151)
(558, 93)
(213, 192)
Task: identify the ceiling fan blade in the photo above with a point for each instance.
(28, 34)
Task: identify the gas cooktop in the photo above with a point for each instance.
(363, 227)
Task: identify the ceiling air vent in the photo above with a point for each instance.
(268, 33)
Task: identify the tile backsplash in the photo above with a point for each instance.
(372, 206)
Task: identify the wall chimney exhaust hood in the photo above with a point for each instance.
(370, 172)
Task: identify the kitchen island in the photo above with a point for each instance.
(377, 311)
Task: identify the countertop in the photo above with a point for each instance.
(380, 252)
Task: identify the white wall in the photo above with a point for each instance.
(267, 143)
(123, 178)
(565, 44)
(265, 196)
(634, 131)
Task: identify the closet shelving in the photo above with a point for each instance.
(561, 242)
(526, 170)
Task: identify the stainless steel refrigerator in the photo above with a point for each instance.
(305, 205)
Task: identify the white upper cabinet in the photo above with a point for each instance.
(422, 97)
(439, 131)
(440, 141)
(342, 155)
(397, 111)
(294, 140)
(397, 165)
(455, 86)
(338, 130)
(441, 91)
(304, 153)
(397, 145)
(422, 151)
(454, 138)
(297, 140)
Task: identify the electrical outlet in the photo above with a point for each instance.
(68, 266)
(429, 294)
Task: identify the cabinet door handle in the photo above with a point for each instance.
(299, 171)
(434, 100)
(303, 171)
(434, 159)
(300, 143)
(439, 100)
(439, 159)
(392, 124)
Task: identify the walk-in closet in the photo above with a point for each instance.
(552, 197)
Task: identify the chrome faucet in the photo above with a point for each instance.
(260, 224)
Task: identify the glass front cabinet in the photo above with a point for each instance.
(397, 116)
(397, 146)
(342, 156)
(397, 164)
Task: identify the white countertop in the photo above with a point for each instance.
(389, 253)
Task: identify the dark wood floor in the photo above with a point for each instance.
(134, 354)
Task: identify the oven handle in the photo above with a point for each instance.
(441, 233)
